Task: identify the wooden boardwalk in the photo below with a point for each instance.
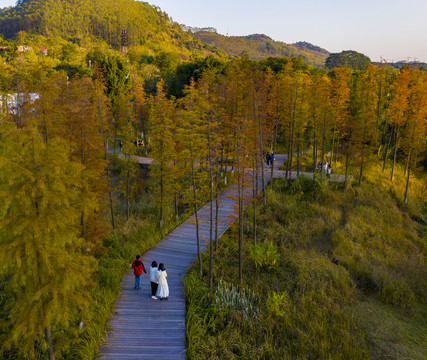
(142, 328)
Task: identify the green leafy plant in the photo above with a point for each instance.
(277, 303)
(233, 298)
(265, 255)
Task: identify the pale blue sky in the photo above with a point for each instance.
(393, 29)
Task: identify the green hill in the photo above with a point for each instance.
(259, 46)
(134, 23)
(142, 23)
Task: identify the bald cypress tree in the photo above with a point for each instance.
(41, 251)
(415, 129)
(162, 144)
(365, 129)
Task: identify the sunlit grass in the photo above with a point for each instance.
(337, 246)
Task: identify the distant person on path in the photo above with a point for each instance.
(271, 158)
(319, 166)
(163, 289)
(154, 285)
(268, 158)
(138, 268)
(328, 171)
(325, 166)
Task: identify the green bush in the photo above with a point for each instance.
(232, 298)
(264, 255)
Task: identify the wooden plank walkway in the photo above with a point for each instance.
(142, 328)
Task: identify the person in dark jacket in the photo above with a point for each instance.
(153, 279)
(138, 268)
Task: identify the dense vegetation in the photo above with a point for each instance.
(145, 26)
(350, 58)
(342, 275)
(70, 199)
(258, 47)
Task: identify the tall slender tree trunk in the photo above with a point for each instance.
(110, 196)
(361, 165)
(210, 208)
(347, 160)
(298, 154)
(314, 148)
(175, 163)
(405, 200)
(127, 195)
(254, 193)
(45, 127)
(216, 216)
(363, 154)
(333, 143)
(291, 155)
(387, 148)
(323, 145)
(193, 180)
(407, 162)
(176, 206)
(261, 149)
(49, 343)
(161, 194)
(396, 145)
(289, 151)
(83, 160)
(240, 201)
(276, 126)
(336, 153)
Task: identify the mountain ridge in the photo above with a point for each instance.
(142, 25)
(261, 46)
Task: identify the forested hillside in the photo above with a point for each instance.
(259, 47)
(143, 23)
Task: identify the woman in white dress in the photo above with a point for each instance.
(163, 289)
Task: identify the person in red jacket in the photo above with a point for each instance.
(138, 268)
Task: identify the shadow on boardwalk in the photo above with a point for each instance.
(142, 328)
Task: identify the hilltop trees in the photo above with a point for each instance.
(350, 58)
(144, 24)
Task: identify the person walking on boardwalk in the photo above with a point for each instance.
(154, 285)
(138, 268)
(163, 289)
(267, 159)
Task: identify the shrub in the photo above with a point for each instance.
(233, 298)
(265, 255)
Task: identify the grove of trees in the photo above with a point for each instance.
(59, 159)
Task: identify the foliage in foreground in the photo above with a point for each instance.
(339, 250)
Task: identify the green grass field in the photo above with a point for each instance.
(349, 280)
